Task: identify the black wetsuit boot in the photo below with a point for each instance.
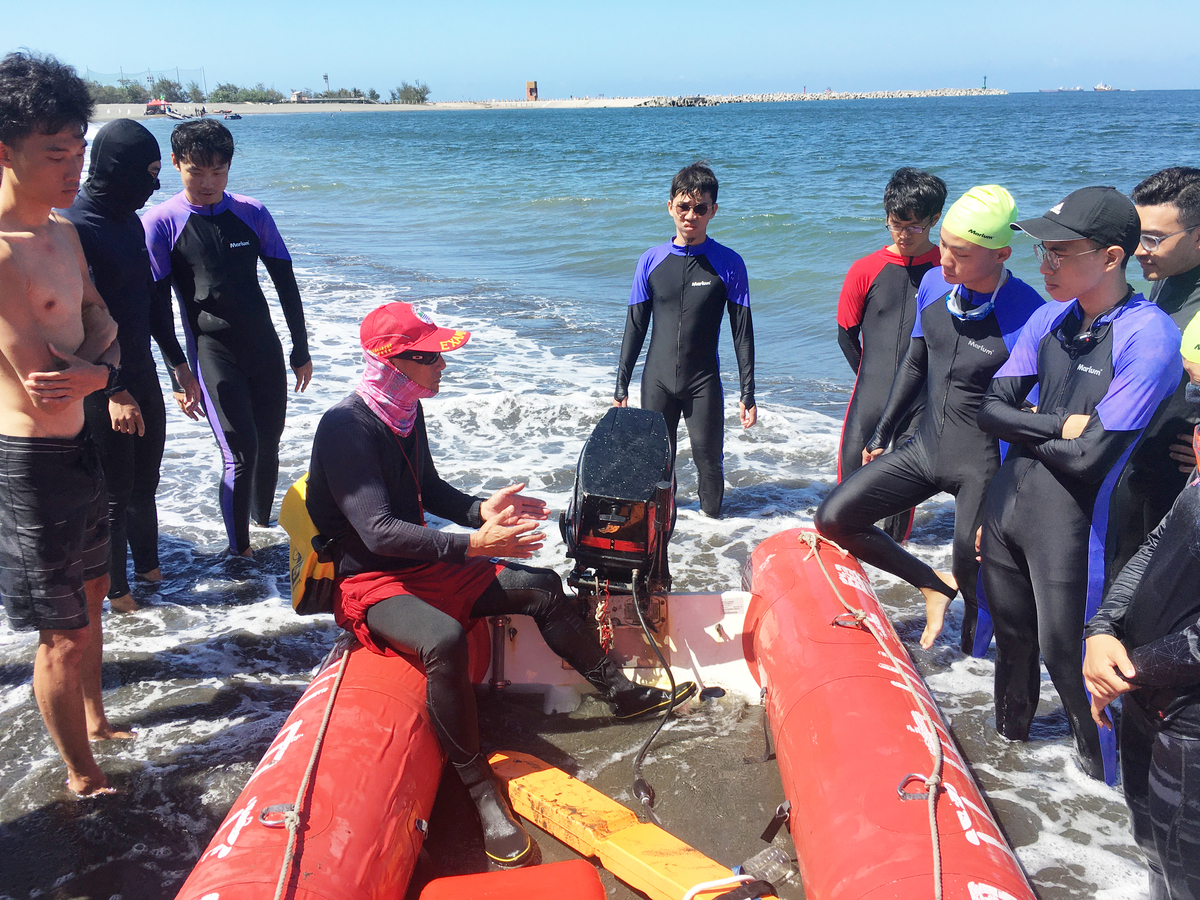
(629, 700)
(504, 838)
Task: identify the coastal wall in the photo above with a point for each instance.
(107, 111)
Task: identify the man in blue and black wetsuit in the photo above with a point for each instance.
(207, 242)
(1168, 204)
(876, 312)
(970, 311)
(128, 420)
(1102, 359)
(686, 285)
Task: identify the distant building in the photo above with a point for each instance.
(531, 90)
(298, 97)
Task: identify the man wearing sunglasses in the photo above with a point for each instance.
(876, 311)
(1145, 642)
(970, 310)
(403, 587)
(686, 285)
(1168, 204)
(1102, 359)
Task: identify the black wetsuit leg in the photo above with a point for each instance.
(131, 473)
(892, 483)
(245, 396)
(1036, 547)
(970, 491)
(1135, 736)
(410, 625)
(702, 409)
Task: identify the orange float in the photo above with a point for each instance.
(366, 803)
(857, 737)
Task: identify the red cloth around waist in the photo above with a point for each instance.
(450, 587)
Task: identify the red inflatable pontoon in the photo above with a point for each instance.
(366, 807)
(855, 746)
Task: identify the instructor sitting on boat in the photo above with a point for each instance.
(407, 588)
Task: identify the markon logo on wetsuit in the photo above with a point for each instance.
(1089, 369)
(701, 283)
(235, 244)
(982, 349)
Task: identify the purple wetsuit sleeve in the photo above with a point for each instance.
(637, 322)
(1147, 367)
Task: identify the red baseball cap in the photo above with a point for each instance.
(396, 327)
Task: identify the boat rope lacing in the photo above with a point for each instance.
(292, 817)
(933, 780)
(706, 887)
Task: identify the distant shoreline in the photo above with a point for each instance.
(108, 111)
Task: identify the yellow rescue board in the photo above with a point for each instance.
(640, 854)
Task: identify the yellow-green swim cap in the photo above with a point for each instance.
(1191, 340)
(982, 216)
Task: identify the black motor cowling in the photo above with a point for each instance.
(622, 510)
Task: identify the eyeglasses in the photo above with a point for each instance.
(911, 230)
(1054, 258)
(1151, 242)
(421, 359)
(700, 209)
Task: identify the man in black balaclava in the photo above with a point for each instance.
(128, 419)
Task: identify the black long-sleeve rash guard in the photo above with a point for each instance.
(687, 290)
(1153, 608)
(368, 487)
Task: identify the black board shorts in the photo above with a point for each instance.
(53, 529)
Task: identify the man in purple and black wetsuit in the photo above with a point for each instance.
(687, 284)
(876, 312)
(207, 242)
(1102, 359)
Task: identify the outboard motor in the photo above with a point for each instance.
(622, 511)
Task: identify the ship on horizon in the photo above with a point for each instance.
(1104, 87)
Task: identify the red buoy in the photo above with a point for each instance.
(855, 745)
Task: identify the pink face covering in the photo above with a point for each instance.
(391, 395)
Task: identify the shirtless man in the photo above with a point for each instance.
(57, 345)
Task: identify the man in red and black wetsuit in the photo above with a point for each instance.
(876, 312)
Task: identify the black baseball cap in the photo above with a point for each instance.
(1101, 214)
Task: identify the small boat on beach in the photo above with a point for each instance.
(876, 795)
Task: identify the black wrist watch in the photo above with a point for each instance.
(114, 385)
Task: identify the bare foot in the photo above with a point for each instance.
(83, 786)
(154, 576)
(108, 733)
(124, 604)
(936, 604)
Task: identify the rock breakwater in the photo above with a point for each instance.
(718, 99)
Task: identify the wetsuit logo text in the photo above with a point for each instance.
(982, 349)
(234, 244)
(701, 283)
(1091, 371)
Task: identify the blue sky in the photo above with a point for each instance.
(468, 49)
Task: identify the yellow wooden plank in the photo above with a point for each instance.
(640, 854)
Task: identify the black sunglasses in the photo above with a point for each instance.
(420, 358)
(700, 209)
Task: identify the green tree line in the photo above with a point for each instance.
(131, 91)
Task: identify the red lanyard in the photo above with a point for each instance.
(416, 480)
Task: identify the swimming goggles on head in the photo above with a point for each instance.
(954, 303)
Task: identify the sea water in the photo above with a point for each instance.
(524, 227)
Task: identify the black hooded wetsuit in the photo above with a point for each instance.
(211, 255)
(954, 360)
(687, 291)
(1046, 515)
(105, 216)
(1153, 608)
(876, 312)
(1152, 480)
